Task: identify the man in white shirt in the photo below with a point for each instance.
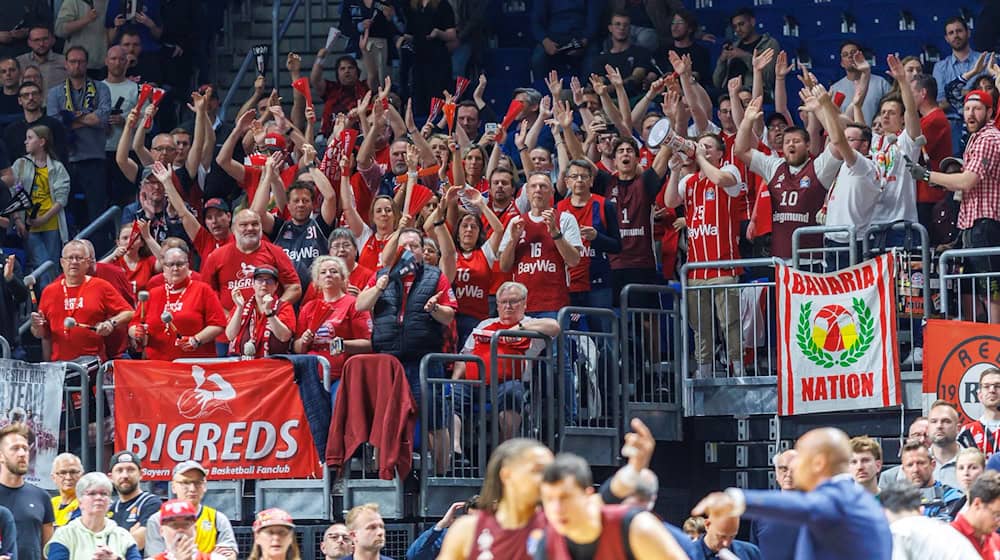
(877, 86)
(917, 537)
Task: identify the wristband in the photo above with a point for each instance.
(272, 313)
(412, 174)
(557, 236)
(318, 60)
(439, 223)
(194, 339)
(289, 130)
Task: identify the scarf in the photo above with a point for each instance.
(254, 327)
(89, 96)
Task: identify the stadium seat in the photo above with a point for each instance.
(506, 69)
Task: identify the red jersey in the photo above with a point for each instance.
(139, 276)
(579, 275)
(473, 276)
(539, 266)
(669, 239)
(204, 242)
(976, 434)
(481, 340)
(795, 200)
(358, 280)
(334, 319)
(90, 303)
(193, 306)
(252, 175)
(493, 541)
(228, 268)
(988, 546)
(371, 251)
(499, 276)
(711, 231)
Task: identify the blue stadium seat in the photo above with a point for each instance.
(818, 20)
(507, 69)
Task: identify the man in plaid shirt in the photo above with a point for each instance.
(979, 183)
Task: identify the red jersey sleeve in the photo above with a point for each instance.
(305, 317)
(210, 270)
(113, 301)
(447, 298)
(360, 323)
(286, 314)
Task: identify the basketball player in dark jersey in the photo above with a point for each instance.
(509, 524)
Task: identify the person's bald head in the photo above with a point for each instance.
(823, 453)
(647, 486)
(721, 531)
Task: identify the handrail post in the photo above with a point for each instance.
(309, 26)
(275, 10)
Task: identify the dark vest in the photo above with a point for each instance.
(418, 333)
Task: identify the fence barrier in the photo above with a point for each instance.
(591, 354)
(965, 294)
(831, 254)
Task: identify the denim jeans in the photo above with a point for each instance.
(44, 246)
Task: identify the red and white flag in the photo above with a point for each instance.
(837, 346)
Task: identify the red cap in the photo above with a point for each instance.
(172, 509)
(272, 517)
(274, 140)
(980, 96)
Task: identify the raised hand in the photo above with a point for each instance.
(733, 86)
(753, 111)
(293, 63)
(761, 59)
(861, 63)
(895, 68)
(162, 174)
(412, 158)
(781, 65)
(563, 114)
(577, 89)
(809, 101)
(614, 76)
(597, 82)
(244, 121)
(554, 84)
(677, 61)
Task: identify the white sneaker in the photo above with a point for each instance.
(915, 358)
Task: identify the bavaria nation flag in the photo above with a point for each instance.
(837, 347)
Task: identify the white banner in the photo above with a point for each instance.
(837, 347)
(32, 394)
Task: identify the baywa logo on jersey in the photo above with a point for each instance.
(835, 336)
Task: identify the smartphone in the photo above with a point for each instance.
(491, 127)
(337, 345)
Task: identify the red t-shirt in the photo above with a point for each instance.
(252, 174)
(358, 280)
(193, 306)
(742, 210)
(480, 342)
(228, 268)
(205, 243)
(988, 547)
(89, 303)
(371, 252)
(539, 265)
(139, 276)
(579, 275)
(329, 320)
(499, 276)
(937, 130)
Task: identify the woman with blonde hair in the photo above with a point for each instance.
(45, 178)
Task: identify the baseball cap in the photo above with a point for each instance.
(186, 466)
(274, 140)
(951, 160)
(265, 271)
(980, 96)
(774, 117)
(217, 203)
(273, 517)
(173, 509)
(124, 457)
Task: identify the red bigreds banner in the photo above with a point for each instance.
(955, 354)
(837, 346)
(239, 419)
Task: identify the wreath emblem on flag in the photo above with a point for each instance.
(834, 336)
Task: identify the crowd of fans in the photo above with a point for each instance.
(346, 228)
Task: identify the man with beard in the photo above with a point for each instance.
(50, 64)
(30, 505)
(866, 462)
(979, 183)
(124, 96)
(133, 507)
(797, 183)
(30, 97)
(213, 531)
(337, 542)
(942, 421)
(948, 74)
(918, 466)
(230, 267)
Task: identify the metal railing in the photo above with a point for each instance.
(104, 218)
(833, 256)
(592, 356)
(966, 295)
(39, 271)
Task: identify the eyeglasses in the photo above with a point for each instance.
(75, 258)
(178, 264)
(164, 149)
(578, 176)
(68, 474)
(28, 94)
(190, 483)
(264, 279)
(509, 302)
(94, 494)
(338, 537)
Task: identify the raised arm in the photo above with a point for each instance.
(128, 167)
(864, 68)
(608, 105)
(544, 114)
(354, 220)
(621, 96)
(829, 116)
(733, 86)
(655, 90)
(682, 65)
(188, 219)
(139, 140)
(781, 70)
(225, 159)
(262, 196)
(743, 146)
(911, 116)
(759, 61)
(198, 141)
(316, 73)
(258, 92)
